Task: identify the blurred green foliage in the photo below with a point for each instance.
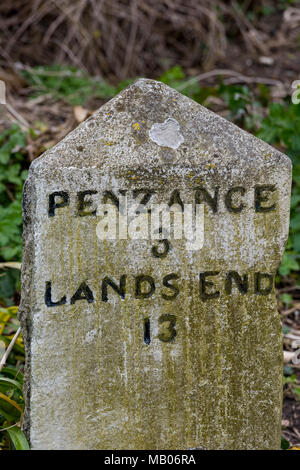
(11, 383)
(282, 128)
(12, 177)
(13, 171)
(69, 84)
(291, 383)
(284, 444)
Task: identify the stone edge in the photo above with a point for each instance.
(25, 309)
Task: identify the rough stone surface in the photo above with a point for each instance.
(92, 381)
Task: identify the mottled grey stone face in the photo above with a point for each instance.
(145, 344)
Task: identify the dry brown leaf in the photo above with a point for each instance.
(11, 264)
(80, 113)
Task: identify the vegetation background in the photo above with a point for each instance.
(61, 60)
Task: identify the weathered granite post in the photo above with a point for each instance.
(149, 344)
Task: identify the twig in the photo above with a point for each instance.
(236, 77)
(12, 426)
(16, 115)
(291, 310)
(288, 289)
(9, 194)
(296, 431)
(7, 352)
(245, 79)
(204, 76)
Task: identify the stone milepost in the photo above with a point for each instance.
(144, 344)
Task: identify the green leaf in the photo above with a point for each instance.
(296, 242)
(9, 408)
(286, 329)
(295, 199)
(174, 75)
(4, 156)
(288, 264)
(17, 348)
(267, 134)
(10, 418)
(289, 380)
(284, 443)
(68, 83)
(13, 373)
(295, 222)
(8, 384)
(18, 438)
(287, 299)
(295, 142)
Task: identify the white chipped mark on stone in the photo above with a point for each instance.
(90, 336)
(167, 134)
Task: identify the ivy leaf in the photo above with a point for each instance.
(18, 438)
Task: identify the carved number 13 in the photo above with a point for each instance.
(167, 331)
